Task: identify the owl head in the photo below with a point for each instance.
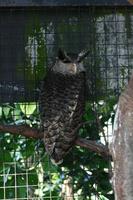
(70, 64)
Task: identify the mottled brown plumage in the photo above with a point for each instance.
(62, 104)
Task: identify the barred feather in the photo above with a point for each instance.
(61, 108)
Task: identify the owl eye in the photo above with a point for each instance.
(67, 61)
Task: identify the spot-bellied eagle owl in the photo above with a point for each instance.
(61, 104)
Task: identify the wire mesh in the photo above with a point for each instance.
(29, 41)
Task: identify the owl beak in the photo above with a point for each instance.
(73, 69)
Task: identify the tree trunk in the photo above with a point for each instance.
(122, 146)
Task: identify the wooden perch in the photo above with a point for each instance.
(24, 130)
(30, 132)
(93, 146)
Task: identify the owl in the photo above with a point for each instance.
(61, 104)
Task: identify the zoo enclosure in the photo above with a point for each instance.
(31, 34)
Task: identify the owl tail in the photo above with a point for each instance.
(56, 162)
(55, 154)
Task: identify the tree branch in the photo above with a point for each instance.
(23, 130)
(93, 146)
(34, 133)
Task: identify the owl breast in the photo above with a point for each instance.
(61, 110)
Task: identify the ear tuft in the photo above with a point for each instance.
(82, 55)
(62, 54)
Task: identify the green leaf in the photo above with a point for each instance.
(21, 180)
(0, 111)
(32, 178)
(22, 192)
(5, 156)
(6, 111)
(28, 108)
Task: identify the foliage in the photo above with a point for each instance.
(22, 158)
(23, 162)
